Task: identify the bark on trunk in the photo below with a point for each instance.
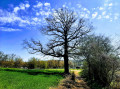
(66, 65)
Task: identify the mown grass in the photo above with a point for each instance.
(13, 78)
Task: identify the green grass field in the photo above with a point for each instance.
(12, 78)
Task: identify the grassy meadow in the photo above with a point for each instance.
(13, 78)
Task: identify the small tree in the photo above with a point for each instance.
(3, 57)
(10, 63)
(32, 63)
(65, 28)
(42, 64)
(18, 62)
(100, 60)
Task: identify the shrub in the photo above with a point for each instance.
(101, 61)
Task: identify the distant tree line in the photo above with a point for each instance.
(13, 61)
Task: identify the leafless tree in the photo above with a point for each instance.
(65, 28)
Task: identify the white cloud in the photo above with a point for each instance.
(101, 8)
(44, 13)
(12, 18)
(9, 29)
(99, 17)
(103, 13)
(16, 19)
(16, 9)
(79, 5)
(37, 13)
(35, 19)
(46, 4)
(116, 16)
(94, 15)
(22, 6)
(27, 5)
(87, 11)
(47, 13)
(105, 4)
(86, 16)
(84, 9)
(110, 4)
(109, 8)
(93, 8)
(38, 5)
(82, 15)
(63, 6)
(83, 12)
(111, 20)
(107, 16)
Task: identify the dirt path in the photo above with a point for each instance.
(80, 84)
(67, 83)
(76, 72)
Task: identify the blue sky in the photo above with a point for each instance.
(22, 19)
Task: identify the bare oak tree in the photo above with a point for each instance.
(66, 29)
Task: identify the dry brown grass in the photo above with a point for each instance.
(67, 83)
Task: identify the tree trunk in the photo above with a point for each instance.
(66, 64)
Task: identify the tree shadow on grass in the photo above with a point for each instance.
(37, 73)
(33, 72)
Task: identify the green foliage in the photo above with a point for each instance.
(84, 72)
(42, 64)
(101, 61)
(96, 86)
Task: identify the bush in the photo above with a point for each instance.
(101, 61)
(96, 86)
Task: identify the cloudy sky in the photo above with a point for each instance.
(22, 19)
